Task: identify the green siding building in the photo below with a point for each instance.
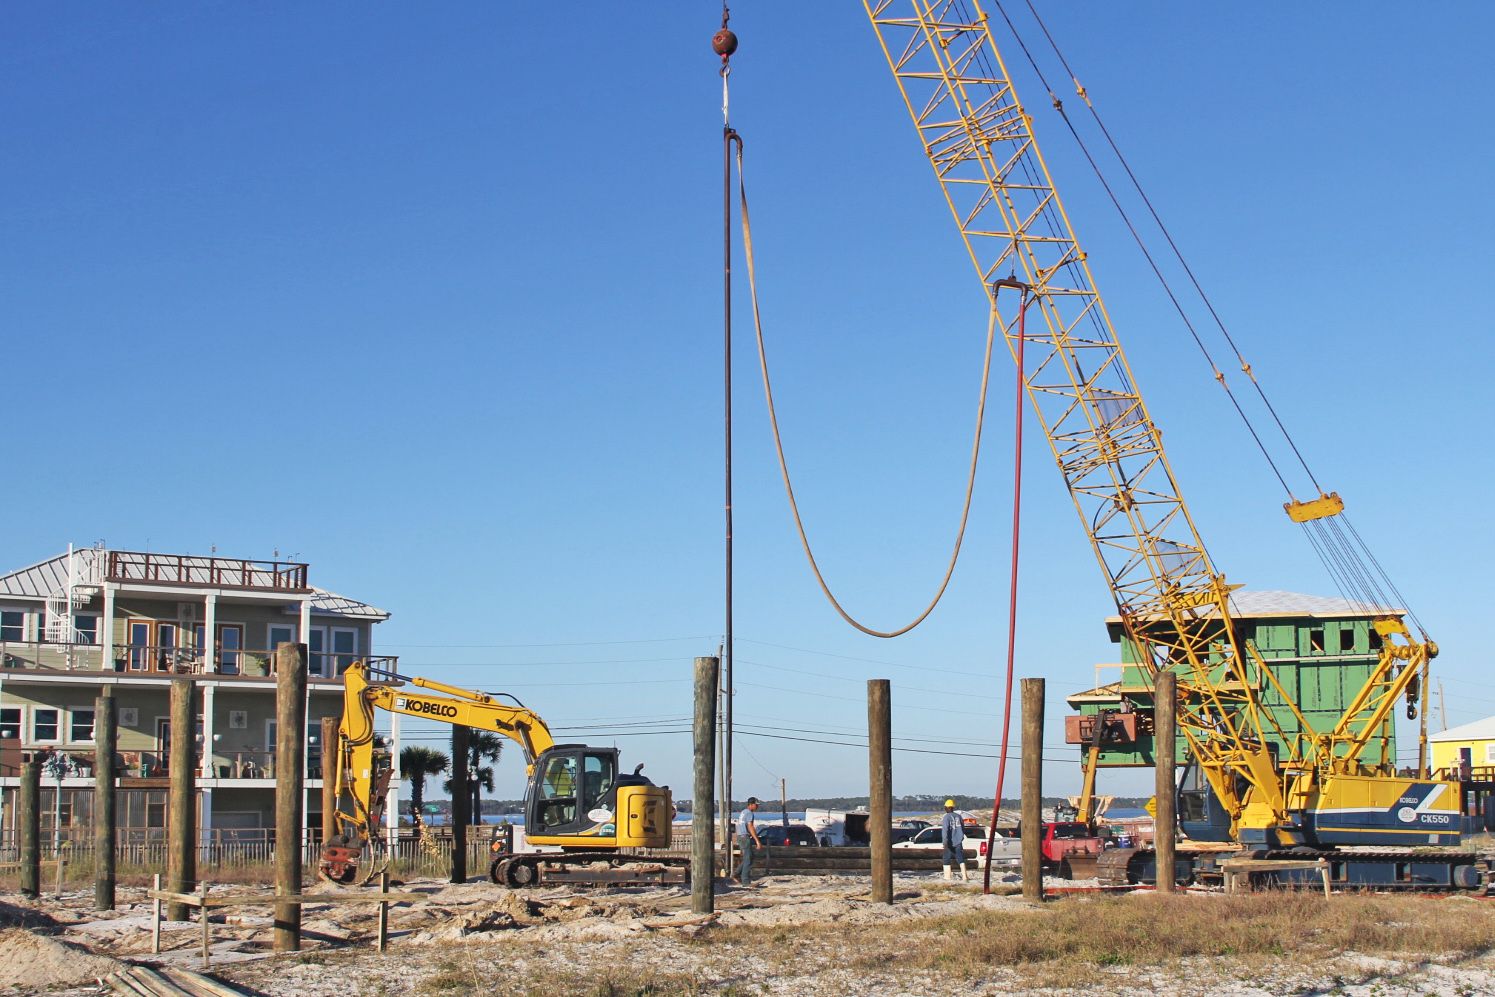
(1322, 651)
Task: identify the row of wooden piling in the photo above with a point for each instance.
(181, 824)
(880, 776)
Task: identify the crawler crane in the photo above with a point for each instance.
(576, 799)
(1311, 790)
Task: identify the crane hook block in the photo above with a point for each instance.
(724, 43)
(1320, 508)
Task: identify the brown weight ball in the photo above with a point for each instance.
(724, 43)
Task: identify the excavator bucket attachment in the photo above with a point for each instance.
(339, 860)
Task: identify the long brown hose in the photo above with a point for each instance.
(747, 241)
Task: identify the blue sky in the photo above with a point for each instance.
(432, 301)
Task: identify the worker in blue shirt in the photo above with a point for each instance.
(747, 839)
(953, 837)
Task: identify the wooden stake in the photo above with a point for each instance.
(384, 911)
(1032, 803)
(28, 821)
(1165, 726)
(290, 789)
(702, 826)
(181, 827)
(880, 775)
(461, 798)
(156, 915)
(332, 760)
(202, 891)
(106, 744)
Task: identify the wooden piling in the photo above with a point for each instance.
(702, 825)
(332, 760)
(290, 789)
(181, 823)
(1032, 802)
(29, 827)
(106, 744)
(461, 800)
(1165, 726)
(880, 775)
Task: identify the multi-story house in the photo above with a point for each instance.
(138, 622)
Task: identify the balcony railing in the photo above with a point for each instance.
(213, 572)
(146, 659)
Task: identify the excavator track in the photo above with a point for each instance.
(1114, 866)
(605, 869)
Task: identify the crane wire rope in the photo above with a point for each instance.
(991, 328)
(1209, 304)
(1355, 575)
(1215, 371)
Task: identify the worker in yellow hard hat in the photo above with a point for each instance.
(953, 838)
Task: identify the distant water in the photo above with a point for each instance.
(795, 816)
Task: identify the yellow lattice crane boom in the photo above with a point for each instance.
(1173, 601)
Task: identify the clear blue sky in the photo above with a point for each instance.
(431, 299)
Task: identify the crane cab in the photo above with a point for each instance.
(578, 799)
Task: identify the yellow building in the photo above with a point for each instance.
(1472, 744)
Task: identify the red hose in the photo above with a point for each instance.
(1017, 508)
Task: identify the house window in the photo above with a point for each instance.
(139, 633)
(45, 723)
(230, 643)
(1316, 640)
(345, 647)
(12, 625)
(10, 722)
(85, 629)
(80, 726)
(316, 643)
(1347, 639)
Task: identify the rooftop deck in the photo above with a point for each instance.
(132, 567)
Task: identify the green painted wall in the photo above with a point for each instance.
(1321, 663)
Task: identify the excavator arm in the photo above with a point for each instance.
(362, 772)
(576, 797)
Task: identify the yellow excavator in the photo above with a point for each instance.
(576, 799)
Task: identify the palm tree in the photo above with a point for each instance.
(417, 762)
(482, 746)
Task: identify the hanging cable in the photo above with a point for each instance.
(1017, 510)
(991, 327)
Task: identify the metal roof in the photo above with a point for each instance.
(1479, 730)
(42, 579)
(1275, 602)
(37, 581)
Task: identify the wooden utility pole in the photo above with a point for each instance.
(106, 742)
(290, 789)
(181, 823)
(1032, 804)
(702, 826)
(332, 760)
(1165, 726)
(461, 798)
(880, 774)
(29, 828)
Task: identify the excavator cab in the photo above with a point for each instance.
(578, 799)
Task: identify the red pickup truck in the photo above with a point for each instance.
(1070, 849)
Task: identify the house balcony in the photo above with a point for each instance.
(75, 767)
(155, 661)
(129, 567)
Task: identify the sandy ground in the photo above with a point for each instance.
(479, 938)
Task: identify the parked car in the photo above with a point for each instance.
(929, 840)
(778, 834)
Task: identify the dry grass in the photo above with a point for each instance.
(472, 970)
(1081, 940)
